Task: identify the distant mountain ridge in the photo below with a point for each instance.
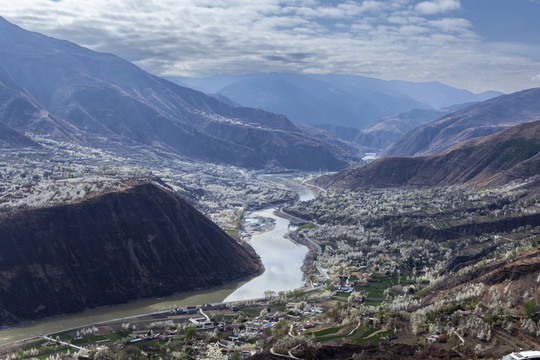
(485, 118)
(387, 130)
(56, 87)
(334, 100)
(486, 161)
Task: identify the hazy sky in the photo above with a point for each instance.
(473, 44)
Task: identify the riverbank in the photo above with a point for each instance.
(123, 311)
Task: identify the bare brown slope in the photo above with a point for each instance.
(482, 119)
(487, 161)
(140, 242)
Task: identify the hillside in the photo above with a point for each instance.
(487, 161)
(140, 242)
(59, 89)
(499, 284)
(520, 272)
(485, 118)
(389, 129)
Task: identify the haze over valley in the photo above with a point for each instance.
(301, 179)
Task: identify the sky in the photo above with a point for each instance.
(477, 45)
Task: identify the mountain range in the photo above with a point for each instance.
(57, 88)
(484, 118)
(484, 161)
(331, 99)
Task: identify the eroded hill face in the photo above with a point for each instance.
(139, 242)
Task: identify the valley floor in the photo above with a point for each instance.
(450, 270)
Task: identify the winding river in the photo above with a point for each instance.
(282, 260)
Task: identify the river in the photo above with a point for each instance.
(282, 260)
(104, 314)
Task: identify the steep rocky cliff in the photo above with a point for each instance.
(140, 242)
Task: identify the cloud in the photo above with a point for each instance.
(451, 24)
(385, 39)
(536, 78)
(437, 6)
(342, 10)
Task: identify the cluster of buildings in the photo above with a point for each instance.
(346, 283)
